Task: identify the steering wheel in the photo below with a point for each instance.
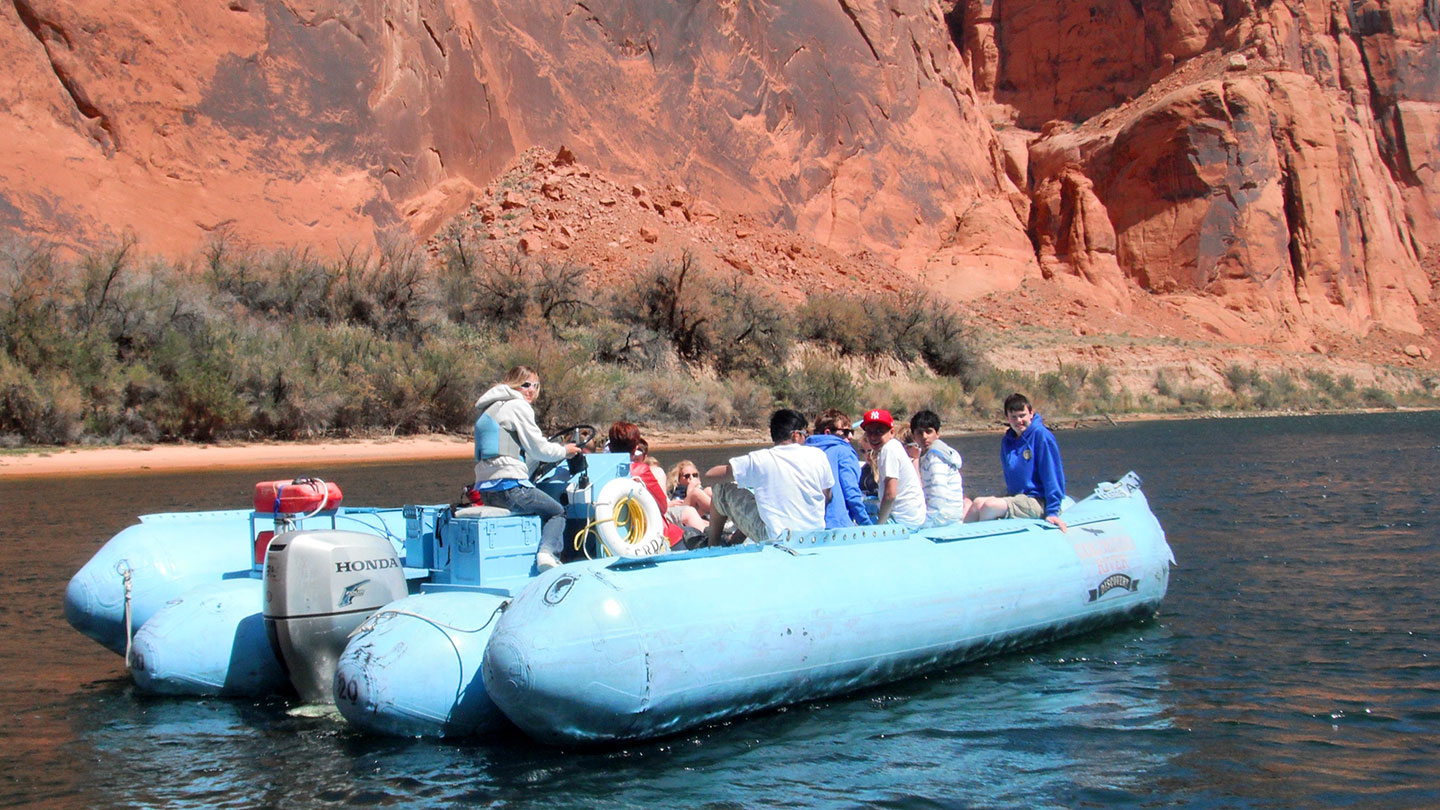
(575, 434)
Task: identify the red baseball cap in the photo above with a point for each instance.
(879, 416)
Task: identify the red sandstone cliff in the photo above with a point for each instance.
(1271, 166)
(1279, 159)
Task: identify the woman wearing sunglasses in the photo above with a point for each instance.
(508, 446)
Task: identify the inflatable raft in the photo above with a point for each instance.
(639, 648)
(432, 621)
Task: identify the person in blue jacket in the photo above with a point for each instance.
(1034, 472)
(832, 435)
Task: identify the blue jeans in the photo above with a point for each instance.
(524, 500)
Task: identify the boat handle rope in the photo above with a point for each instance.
(634, 523)
(459, 658)
(369, 622)
(123, 567)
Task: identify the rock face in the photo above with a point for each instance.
(1272, 165)
(1277, 159)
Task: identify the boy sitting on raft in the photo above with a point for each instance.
(1034, 473)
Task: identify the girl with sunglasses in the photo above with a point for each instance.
(508, 447)
(688, 496)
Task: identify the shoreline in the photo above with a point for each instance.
(58, 462)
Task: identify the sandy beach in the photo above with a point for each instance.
(62, 461)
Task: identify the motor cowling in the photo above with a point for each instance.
(319, 586)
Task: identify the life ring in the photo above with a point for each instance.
(616, 506)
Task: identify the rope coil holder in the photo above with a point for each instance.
(628, 515)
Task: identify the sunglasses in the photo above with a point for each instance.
(683, 476)
(529, 384)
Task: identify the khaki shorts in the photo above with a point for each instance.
(1023, 506)
(738, 504)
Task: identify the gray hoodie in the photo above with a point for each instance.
(514, 416)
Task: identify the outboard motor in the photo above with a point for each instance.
(319, 586)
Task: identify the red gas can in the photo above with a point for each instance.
(299, 496)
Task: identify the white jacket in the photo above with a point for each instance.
(515, 416)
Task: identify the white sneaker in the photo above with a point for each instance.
(544, 561)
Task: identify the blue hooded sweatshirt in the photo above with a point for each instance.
(1032, 465)
(846, 507)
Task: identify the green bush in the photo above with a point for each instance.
(818, 383)
(1377, 398)
(749, 332)
(904, 325)
(1238, 378)
(671, 298)
(836, 320)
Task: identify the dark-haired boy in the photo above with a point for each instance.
(778, 488)
(939, 471)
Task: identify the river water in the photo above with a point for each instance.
(1294, 663)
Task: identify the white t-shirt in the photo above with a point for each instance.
(789, 482)
(944, 487)
(895, 463)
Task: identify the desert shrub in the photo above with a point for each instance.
(943, 395)
(1238, 378)
(947, 398)
(1279, 390)
(1164, 386)
(818, 383)
(633, 345)
(457, 264)
(34, 322)
(653, 398)
(497, 293)
(280, 284)
(1195, 398)
(44, 409)
(949, 346)
(1377, 397)
(721, 321)
(1331, 391)
(386, 291)
(1057, 387)
(835, 320)
(573, 391)
(1101, 389)
(750, 402)
(899, 324)
(560, 293)
(749, 332)
(904, 325)
(671, 298)
(989, 393)
(305, 379)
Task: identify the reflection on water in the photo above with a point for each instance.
(1291, 666)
